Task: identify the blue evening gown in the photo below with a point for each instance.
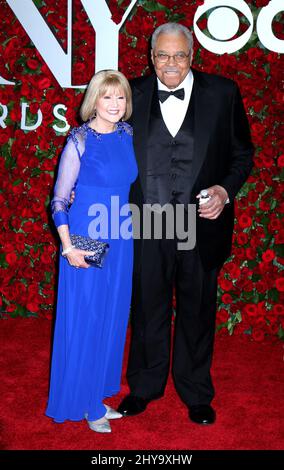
(93, 304)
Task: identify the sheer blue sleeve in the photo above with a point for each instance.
(68, 172)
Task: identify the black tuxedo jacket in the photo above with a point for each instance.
(222, 155)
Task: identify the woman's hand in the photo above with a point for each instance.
(75, 258)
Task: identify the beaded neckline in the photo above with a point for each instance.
(120, 128)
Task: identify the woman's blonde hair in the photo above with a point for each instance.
(99, 85)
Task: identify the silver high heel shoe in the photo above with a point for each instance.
(111, 413)
(103, 427)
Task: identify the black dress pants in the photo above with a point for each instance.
(164, 266)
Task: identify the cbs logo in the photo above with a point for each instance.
(223, 23)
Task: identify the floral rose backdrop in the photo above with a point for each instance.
(251, 284)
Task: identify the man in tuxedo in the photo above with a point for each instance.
(190, 133)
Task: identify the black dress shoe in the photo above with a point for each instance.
(132, 405)
(202, 414)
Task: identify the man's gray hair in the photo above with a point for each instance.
(173, 28)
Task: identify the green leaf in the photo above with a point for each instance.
(279, 250)
(3, 262)
(10, 162)
(273, 295)
(7, 41)
(265, 220)
(48, 276)
(231, 327)
(280, 333)
(251, 297)
(39, 3)
(273, 204)
(238, 316)
(253, 39)
(197, 56)
(220, 326)
(175, 17)
(16, 182)
(36, 172)
(248, 332)
(252, 263)
(152, 5)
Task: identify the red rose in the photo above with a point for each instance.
(252, 197)
(233, 269)
(33, 306)
(280, 161)
(245, 284)
(258, 334)
(268, 256)
(263, 267)
(34, 107)
(44, 83)
(261, 3)
(260, 322)
(279, 237)
(267, 162)
(222, 315)
(278, 309)
(46, 258)
(227, 299)
(257, 129)
(225, 284)
(5, 135)
(33, 64)
(15, 113)
(28, 226)
(279, 283)
(261, 286)
(273, 328)
(261, 308)
(11, 308)
(160, 17)
(264, 205)
(260, 187)
(26, 212)
(242, 238)
(11, 258)
(48, 315)
(250, 310)
(147, 26)
(244, 221)
(274, 224)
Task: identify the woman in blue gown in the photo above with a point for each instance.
(93, 304)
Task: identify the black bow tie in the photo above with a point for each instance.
(163, 94)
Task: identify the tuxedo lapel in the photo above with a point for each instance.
(203, 122)
(142, 101)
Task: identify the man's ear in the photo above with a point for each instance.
(152, 56)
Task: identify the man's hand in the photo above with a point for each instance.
(72, 197)
(213, 208)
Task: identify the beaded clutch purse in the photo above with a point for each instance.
(99, 248)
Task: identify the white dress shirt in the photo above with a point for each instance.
(173, 109)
